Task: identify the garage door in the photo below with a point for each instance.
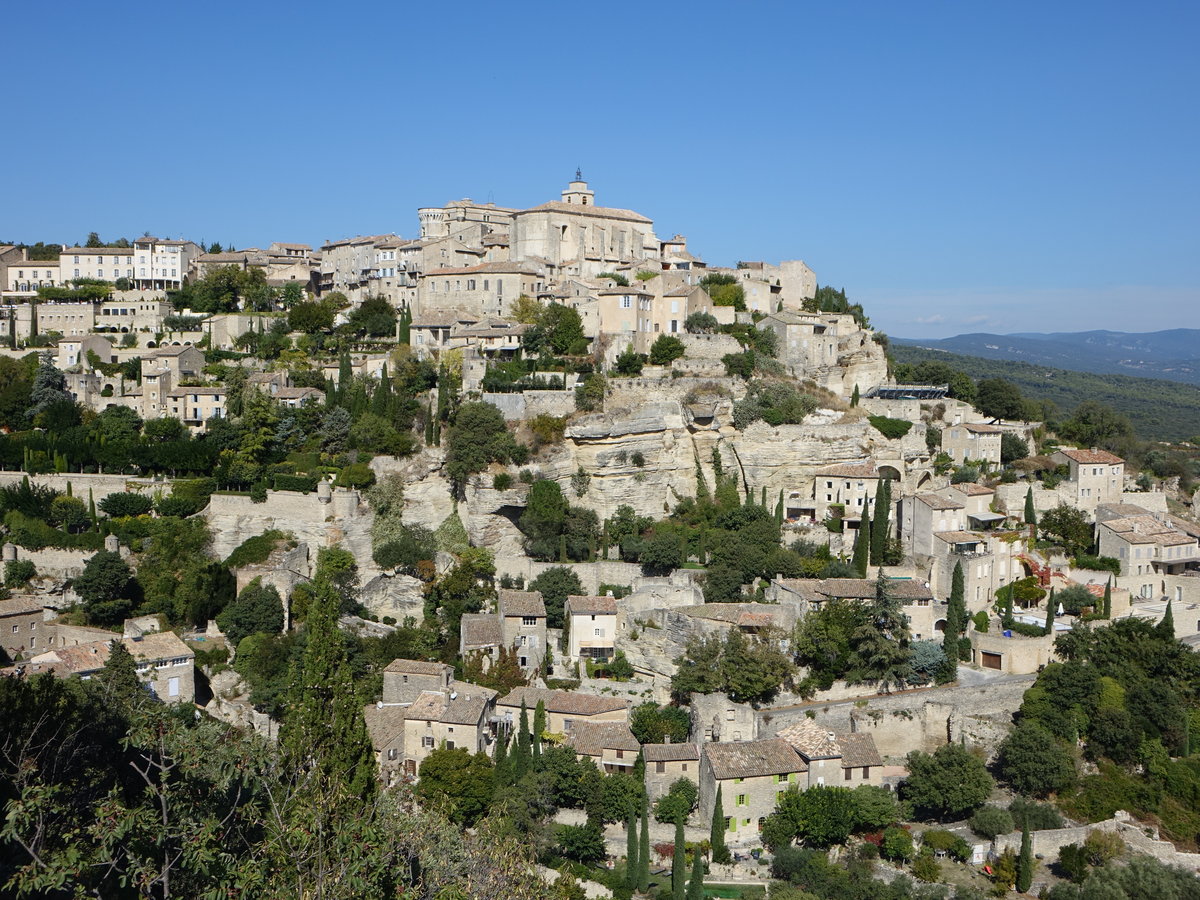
(991, 660)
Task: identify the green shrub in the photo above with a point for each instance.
(502, 481)
(304, 484)
(892, 429)
(1098, 564)
(257, 549)
(125, 504)
(18, 572)
(981, 620)
(356, 475)
(991, 821)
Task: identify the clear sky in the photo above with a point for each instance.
(1021, 166)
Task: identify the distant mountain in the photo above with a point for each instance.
(1172, 355)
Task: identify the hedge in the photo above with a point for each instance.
(893, 429)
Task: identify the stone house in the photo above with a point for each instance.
(846, 760)
(404, 680)
(591, 627)
(926, 616)
(564, 709)
(850, 485)
(385, 725)
(923, 515)
(751, 776)
(667, 763)
(480, 633)
(977, 504)
(1015, 655)
(522, 616)
(989, 561)
(195, 406)
(1146, 545)
(974, 441)
(73, 351)
(749, 618)
(460, 716)
(1096, 476)
(484, 289)
(610, 745)
(805, 341)
(164, 663)
(23, 630)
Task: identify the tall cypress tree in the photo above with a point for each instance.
(862, 546)
(631, 850)
(879, 525)
(956, 622)
(522, 754)
(644, 851)
(539, 725)
(695, 889)
(679, 863)
(1108, 598)
(1025, 862)
(381, 398)
(716, 834)
(502, 774)
(1051, 611)
(1030, 512)
(779, 507)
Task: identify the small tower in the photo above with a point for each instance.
(577, 192)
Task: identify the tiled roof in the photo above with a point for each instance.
(746, 615)
(865, 469)
(19, 606)
(958, 537)
(501, 268)
(603, 212)
(417, 667)
(980, 428)
(465, 704)
(750, 759)
(592, 738)
(565, 702)
(935, 501)
(859, 750)
(480, 630)
(384, 723)
(1091, 457)
(670, 752)
(594, 606)
(811, 740)
(521, 603)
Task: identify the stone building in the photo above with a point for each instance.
(457, 716)
(610, 745)
(385, 725)
(564, 709)
(1146, 545)
(972, 441)
(667, 763)
(23, 630)
(522, 616)
(405, 679)
(485, 289)
(591, 627)
(751, 776)
(1095, 476)
(574, 230)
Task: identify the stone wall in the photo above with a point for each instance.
(528, 404)
(100, 485)
(1139, 837)
(708, 346)
(56, 562)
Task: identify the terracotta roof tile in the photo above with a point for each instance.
(750, 759)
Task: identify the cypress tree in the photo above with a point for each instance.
(695, 889)
(1025, 862)
(779, 508)
(404, 325)
(1030, 512)
(702, 555)
(1108, 599)
(716, 835)
(631, 851)
(862, 546)
(763, 503)
(539, 725)
(381, 398)
(604, 540)
(522, 755)
(679, 864)
(502, 774)
(1051, 610)
(562, 548)
(644, 851)
(879, 527)
(1166, 627)
(854, 397)
(956, 621)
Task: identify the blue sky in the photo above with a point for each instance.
(955, 166)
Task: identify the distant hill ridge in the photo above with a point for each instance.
(1172, 355)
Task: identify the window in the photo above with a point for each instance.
(685, 767)
(620, 754)
(743, 800)
(173, 687)
(599, 632)
(626, 302)
(15, 627)
(846, 773)
(660, 767)
(427, 741)
(866, 771)
(528, 620)
(391, 754)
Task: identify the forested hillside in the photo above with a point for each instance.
(1159, 410)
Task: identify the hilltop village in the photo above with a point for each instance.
(622, 571)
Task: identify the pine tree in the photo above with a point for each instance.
(695, 889)
(1051, 610)
(644, 851)
(716, 834)
(631, 851)
(862, 546)
(1030, 512)
(1108, 599)
(679, 864)
(1166, 628)
(539, 726)
(881, 643)
(879, 526)
(1025, 862)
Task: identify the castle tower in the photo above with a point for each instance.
(577, 192)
